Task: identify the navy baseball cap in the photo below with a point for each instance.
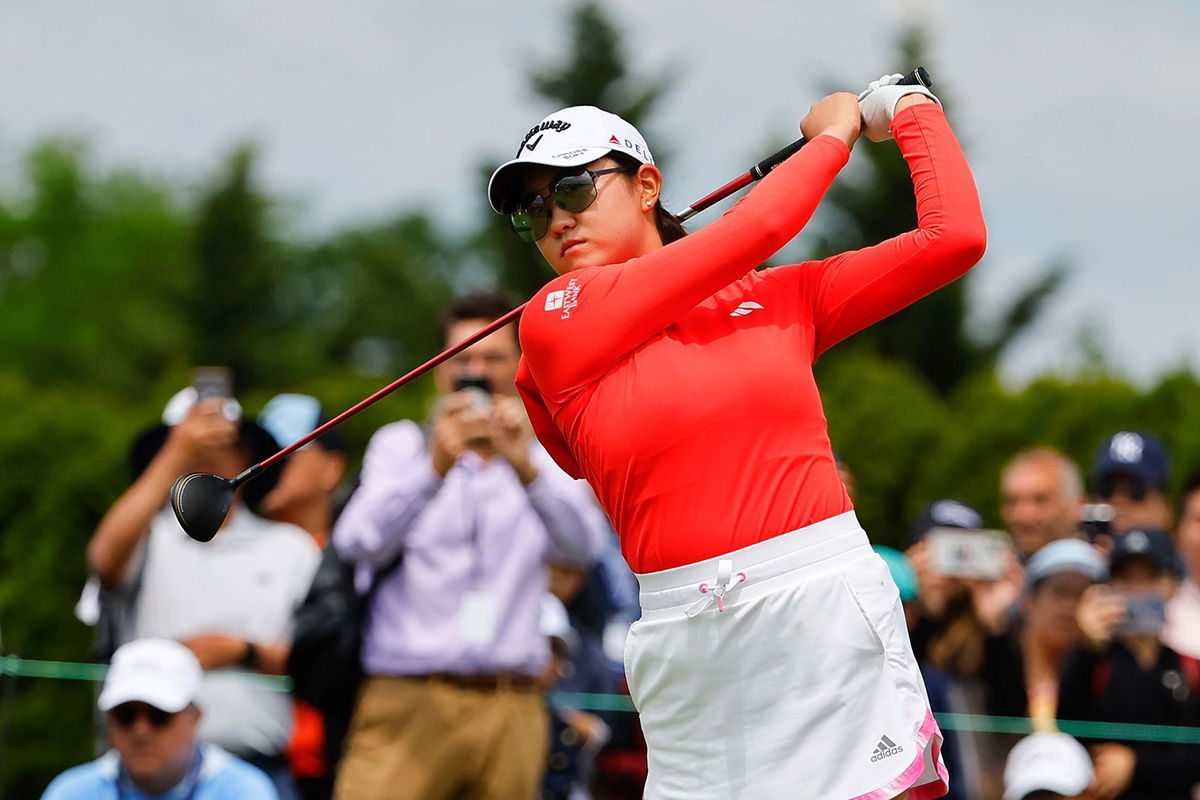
(1151, 544)
(946, 514)
(1135, 454)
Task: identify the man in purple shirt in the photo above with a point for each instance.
(452, 647)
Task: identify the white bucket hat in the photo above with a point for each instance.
(568, 138)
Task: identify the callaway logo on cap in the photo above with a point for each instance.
(571, 137)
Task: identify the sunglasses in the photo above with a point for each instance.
(127, 714)
(574, 193)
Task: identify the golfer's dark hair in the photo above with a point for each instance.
(669, 227)
(485, 304)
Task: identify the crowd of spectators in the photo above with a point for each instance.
(1082, 610)
(495, 596)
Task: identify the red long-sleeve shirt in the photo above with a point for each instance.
(680, 384)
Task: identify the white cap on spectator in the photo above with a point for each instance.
(1047, 762)
(159, 672)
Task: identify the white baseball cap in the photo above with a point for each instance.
(568, 138)
(158, 672)
(1047, 762)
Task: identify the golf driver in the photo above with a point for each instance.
(201, 500)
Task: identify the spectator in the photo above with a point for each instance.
(1124, 673)
(1047, 766)
(229, 600)
(1182, 633)
(575, 736)
(305, 497)
(955, 613)
(1023, 665)
(1041, 497)
(150, 699)
(1132, 473)
(305, 493)
(452, 649)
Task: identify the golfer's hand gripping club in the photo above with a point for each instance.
(201, 501)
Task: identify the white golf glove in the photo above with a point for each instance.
(878, 104)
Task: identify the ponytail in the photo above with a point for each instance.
(670, 229)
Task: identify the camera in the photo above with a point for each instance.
(1096, 520)
(964, 553)
(1144, 614)
(480, 389)
(212, 382)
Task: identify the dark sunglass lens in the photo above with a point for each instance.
(530, 224)
(125, 715)
(575, 192)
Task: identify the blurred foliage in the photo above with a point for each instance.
(114, 284)
(873, 201)
(593, 72)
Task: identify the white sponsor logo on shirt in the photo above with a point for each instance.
(554, 300)
(745, 308)
(570, 298)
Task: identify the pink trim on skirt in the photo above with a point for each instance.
(928, 736)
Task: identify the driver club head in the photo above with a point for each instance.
(201, 502)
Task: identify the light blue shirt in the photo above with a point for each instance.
(220, 777)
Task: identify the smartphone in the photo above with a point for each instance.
(212, 382)
(1096, 520)
(1144, 613)
(963, 553)
(480, 388)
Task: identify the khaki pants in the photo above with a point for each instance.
(429, 739)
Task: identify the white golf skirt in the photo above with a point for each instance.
(782, 670)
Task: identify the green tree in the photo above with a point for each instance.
(872, 202)
(594, 73)
(236, 270)
(91, 265)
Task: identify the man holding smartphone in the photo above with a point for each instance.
(1124, 673)
(452, 650)
(229, 601)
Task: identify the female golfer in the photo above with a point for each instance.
(771, 659)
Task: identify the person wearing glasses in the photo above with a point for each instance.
(771, 657)
(149, 702)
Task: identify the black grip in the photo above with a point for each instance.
(918, 77)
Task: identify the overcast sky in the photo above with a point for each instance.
(1077, 116)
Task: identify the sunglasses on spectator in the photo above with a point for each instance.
(574, 193)
(126, 715)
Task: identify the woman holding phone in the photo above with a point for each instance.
(771, 658)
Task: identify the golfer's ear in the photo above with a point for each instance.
(649, 182)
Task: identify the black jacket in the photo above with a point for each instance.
(1110, 686)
